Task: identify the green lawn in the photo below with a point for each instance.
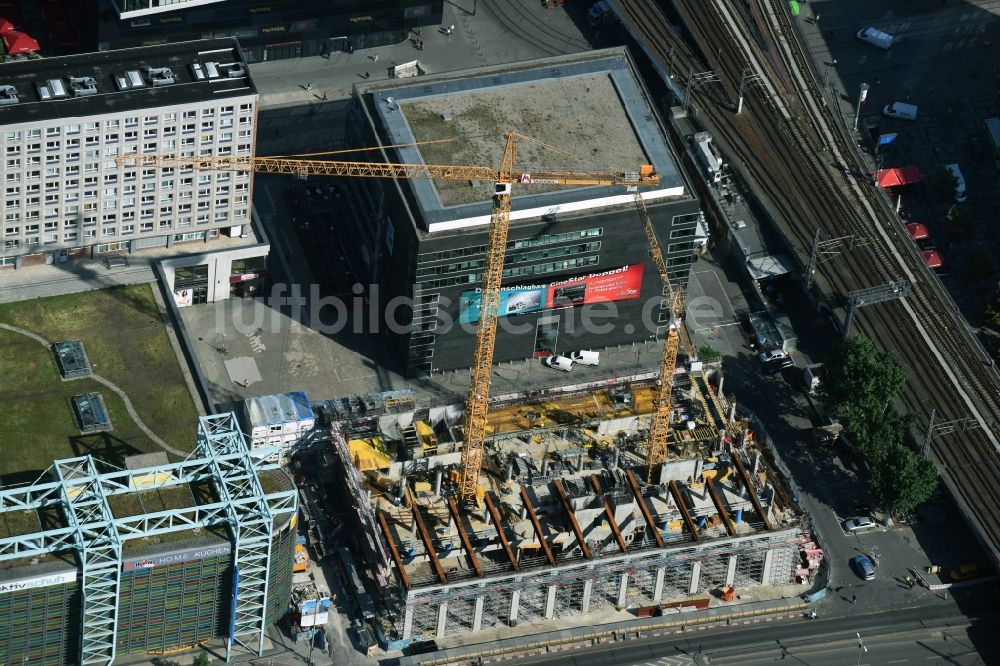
(126, 342)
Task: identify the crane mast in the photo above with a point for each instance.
(659, 425)
(477, 403)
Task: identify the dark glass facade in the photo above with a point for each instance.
(275, 29)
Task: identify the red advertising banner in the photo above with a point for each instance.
(620, 284)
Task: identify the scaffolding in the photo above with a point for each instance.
(91, 531)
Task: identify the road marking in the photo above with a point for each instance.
(897, 661)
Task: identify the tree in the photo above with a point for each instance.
(858, 372)
(708, 353)
(992, 311)
(944, 183)
(904, 479)
(201, 660)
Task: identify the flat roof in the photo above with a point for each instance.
(590, 108)
(93, 84)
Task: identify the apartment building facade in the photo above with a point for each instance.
(66, 122)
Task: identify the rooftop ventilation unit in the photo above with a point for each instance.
(51, 89)
(213, 69)
(196, 71)
(8, 95)
(160, 76)
(236, 71)
(83, 85)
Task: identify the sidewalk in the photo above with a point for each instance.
(509, 31)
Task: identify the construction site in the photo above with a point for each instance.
(568, 518)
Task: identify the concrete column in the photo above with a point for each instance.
(622, 591)
(550, 602)
(731, 571)
(695, 574)
(766, 576)
(588, 588)
(477, 617)
(170, 240)
(658, 585)
(515, 602)
(437, 481)
(408, 623)
(442, 618)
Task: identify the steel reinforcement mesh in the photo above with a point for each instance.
(569, 599)
(676, 580)
(749, 568)
(640, 587)
(279, 581)
(495, 608)
(532, 605)
(461, 612)
(713, 573)
(784, 561)
(424, 621)
(40, 626)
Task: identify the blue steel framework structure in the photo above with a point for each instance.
(221, 458)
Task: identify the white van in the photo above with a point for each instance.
(900, 110)
(960, 194)
(558, 362)
(882, 40)
(586, 357)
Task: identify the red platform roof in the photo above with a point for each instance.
(899, 176)
(917, 231)
(19, 42)
(933, 258)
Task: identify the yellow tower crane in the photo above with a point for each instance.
(477, 403)
(663, 407)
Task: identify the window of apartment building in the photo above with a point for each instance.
(148, 173)
(53, 131)
(109, 205)
(149, 147)
(90, 168)
(72, 196)
(90, 207)
(92, 141)
(202, 218)
(51, 226)
(243, 134)
(147, 200)
(185, 195)
(11, 203)
(169, 145)
(50, 238)
(51, 177)
(110, 191)
(10, 244)
(128, 229)
(221, 217)
(12, 136)
(166, 197)
(73, 156)
(131, 136)
(89, 233)
(91, 127)
(150, 120)
(128, 215)
(184, 221)
(53, 145)
(111, 151)
(225, 150)
(34, 147)
(32, 188)
(111, 125)
(150, 133)
(184, 208)
(51, 198)
(207, 125)
(206, 138)
(243, 149)
(203, 205)
(12, 231)
(149, 187)
(240, 214)
(145, 227)
(13, 177)
(72, 210)
(34, 133)
(72, 129)
(222, 203)
(225, 136)
(32, 201)
(108, 232)
(248, 106)
(132, 121)
(13, 150)
(13, 164)
(187, 128)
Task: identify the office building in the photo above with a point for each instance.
(65, 121)
(425, 240)
(273, 30)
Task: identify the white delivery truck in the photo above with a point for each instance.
(882, 40)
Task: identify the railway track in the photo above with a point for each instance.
(802, 164)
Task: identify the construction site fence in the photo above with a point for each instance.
(511, 648)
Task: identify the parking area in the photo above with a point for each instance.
(945, 61)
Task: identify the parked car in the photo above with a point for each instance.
(859, 523)
(863, 567)
(778, 365)
(933, 259)
(585, 357)
(558, 362)
(773, 355)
